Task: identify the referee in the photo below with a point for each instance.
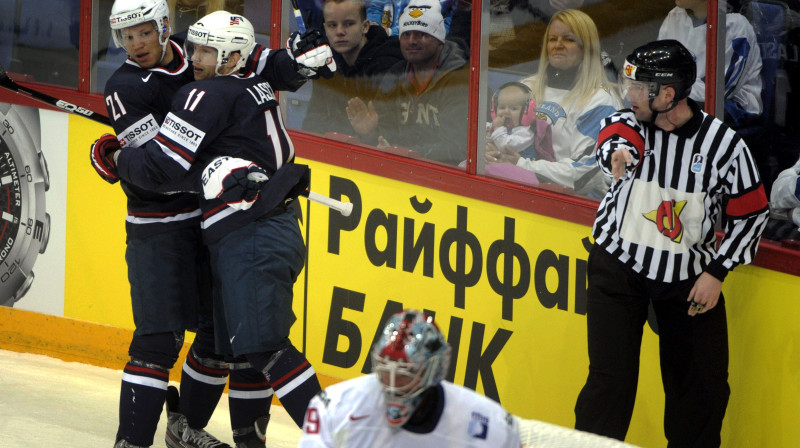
(677, 172)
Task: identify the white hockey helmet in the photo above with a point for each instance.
(224, 31)
(410, 357)
(127, 13)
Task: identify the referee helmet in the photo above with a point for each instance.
(662, 62)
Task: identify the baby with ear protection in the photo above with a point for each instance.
(514, 128)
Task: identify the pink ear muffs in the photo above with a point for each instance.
(528, 112)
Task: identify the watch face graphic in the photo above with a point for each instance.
(24, 178)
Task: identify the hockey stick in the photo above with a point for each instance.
(345, 208)
(298, 17)
(8, 83)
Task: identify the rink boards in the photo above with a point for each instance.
(506, 287)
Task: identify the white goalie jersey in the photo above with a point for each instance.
(353, 414)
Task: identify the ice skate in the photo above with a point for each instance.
(179, 434)
(257, 435)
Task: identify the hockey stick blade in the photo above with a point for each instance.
(7, 82)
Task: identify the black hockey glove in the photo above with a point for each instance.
(236, 182)
(312, 54)
(102, 157)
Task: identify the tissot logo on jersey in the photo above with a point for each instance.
(138, 133)
(181, 132)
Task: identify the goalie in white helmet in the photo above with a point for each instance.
(407, 402)
(167, 265)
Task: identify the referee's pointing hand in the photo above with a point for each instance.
(619, 161)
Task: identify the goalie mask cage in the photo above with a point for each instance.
(538, 434)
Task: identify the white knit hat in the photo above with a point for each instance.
(424, 16)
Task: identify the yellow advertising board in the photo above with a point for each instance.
(506, 287)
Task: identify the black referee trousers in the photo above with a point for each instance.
(693, 351)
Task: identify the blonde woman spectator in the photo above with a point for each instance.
(572, 94)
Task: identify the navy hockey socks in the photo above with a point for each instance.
(292, 378)
(249, 397)
(141, 400)
(202, 383)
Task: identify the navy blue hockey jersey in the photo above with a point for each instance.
(222, 116)
(138, 99)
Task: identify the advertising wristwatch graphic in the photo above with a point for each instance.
(24, 179)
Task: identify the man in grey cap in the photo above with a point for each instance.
(422, 100)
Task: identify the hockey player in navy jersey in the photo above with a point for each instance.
(406, 402)
(165, 246)
(256, 249)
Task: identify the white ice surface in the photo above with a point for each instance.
(46, 402)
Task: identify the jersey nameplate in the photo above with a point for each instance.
(262, 93)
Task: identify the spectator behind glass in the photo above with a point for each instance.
(423, 100)
(386, 13)
(514, 127)
(514, 24)
(362, 52)
(572, 94)
(784, 199)
(686, 23)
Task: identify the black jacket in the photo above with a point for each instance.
(326, 108)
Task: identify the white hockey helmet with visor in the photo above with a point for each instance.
(128, 13)
(227, 33)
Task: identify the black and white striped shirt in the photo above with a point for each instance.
(659, 218)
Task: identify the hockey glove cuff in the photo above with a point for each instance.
(102, 153)
(234, 181)
(311, 53)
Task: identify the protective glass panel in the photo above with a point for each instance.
(767, 33)
(549, 141)
(106, 57)
(415, 109)
(44, 43)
